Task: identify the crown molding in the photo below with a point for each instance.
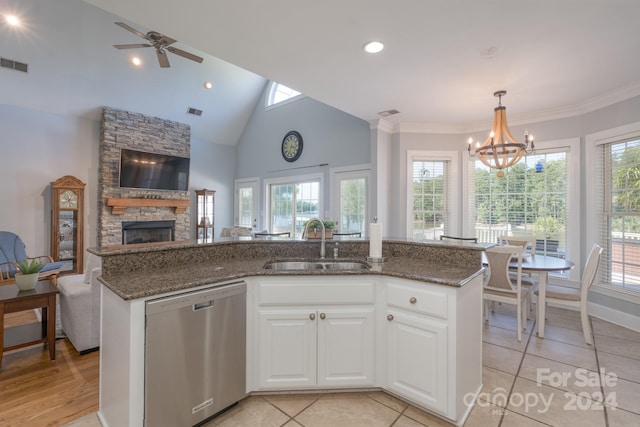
(593, 104)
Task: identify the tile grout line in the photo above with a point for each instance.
(595, 350)
(516, 376)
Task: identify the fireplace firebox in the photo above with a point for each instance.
(147, 231)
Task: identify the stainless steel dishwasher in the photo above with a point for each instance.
(195, 353)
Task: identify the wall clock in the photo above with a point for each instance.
(292, 146)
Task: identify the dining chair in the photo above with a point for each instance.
(576, 299)
(265, 233)
(235, 231)
(527, 242)
(463, 239)
(348, 233)
(501, 287)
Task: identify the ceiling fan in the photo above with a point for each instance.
(160, 42)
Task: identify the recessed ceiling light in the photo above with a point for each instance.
(136, 61)
(12, 20)
(208, 85)
(373, 47)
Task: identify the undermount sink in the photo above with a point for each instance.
(316, 265)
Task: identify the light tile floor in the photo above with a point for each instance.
(537, 382)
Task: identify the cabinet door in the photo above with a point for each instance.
(287, 348)
(346, 347)
(417, 359)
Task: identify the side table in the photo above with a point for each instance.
(13, 299)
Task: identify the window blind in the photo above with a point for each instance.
(618, 207)
(430, 201)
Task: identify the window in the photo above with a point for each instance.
(532, 198)
(279, 93)
(292, 202)
(246, 202)
(618, 193)
(430, 210)
(353, 198)
(432, 205)
(349, 195)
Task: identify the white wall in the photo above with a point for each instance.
(329, 136)
(561, 129)
(38, 148)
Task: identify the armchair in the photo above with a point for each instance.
(80, 306)
(12, 251)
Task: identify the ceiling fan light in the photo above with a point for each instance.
(12, 20)
(135, 60)
(374, 47)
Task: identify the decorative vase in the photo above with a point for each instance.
(26, 282)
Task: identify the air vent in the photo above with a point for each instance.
(194, 111)
(14, 65)
(388, 113)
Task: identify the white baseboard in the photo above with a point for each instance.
(614, 316)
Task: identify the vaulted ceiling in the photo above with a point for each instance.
(441, 64)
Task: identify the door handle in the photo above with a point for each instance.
(322, 316)
(390, 317)
(413, 300)
(312, 316)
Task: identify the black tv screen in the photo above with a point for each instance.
(153, 171)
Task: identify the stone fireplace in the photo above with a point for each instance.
(147, 232)
(116, 205)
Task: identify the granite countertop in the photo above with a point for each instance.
(134, 285)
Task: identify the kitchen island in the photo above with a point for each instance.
(413, 322)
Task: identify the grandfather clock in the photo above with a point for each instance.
(67, 223)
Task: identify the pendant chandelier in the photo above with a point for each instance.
(501, 150)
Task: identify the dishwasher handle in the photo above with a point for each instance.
(202, 305)
(197, 300)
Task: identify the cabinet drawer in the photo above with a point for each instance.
(426, 301)
(304, 292)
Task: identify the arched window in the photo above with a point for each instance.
(279, 93)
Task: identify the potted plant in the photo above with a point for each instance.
(27, 277)
(315, 230)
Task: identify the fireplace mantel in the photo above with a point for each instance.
(119, 205)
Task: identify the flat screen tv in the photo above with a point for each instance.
(153, 171)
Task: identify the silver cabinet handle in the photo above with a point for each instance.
(322, 316)
(413, 300)
(312, 316)
(390, 317)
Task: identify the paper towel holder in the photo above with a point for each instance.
(375, 260)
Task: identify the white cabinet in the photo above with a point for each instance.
(419, 341)
(434, 345)
(417, 359)
(346, 347)
(287, 348)
(328, 343)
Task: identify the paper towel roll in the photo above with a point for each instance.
(375, 240)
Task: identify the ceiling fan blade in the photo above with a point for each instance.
(162, 58)
(184, 54)
(131, 46)
(133, 30)
(167, 40)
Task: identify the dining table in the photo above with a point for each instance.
(542, 265)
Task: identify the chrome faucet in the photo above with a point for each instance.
(306, 232)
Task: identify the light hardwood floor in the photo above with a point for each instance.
(35, 391)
